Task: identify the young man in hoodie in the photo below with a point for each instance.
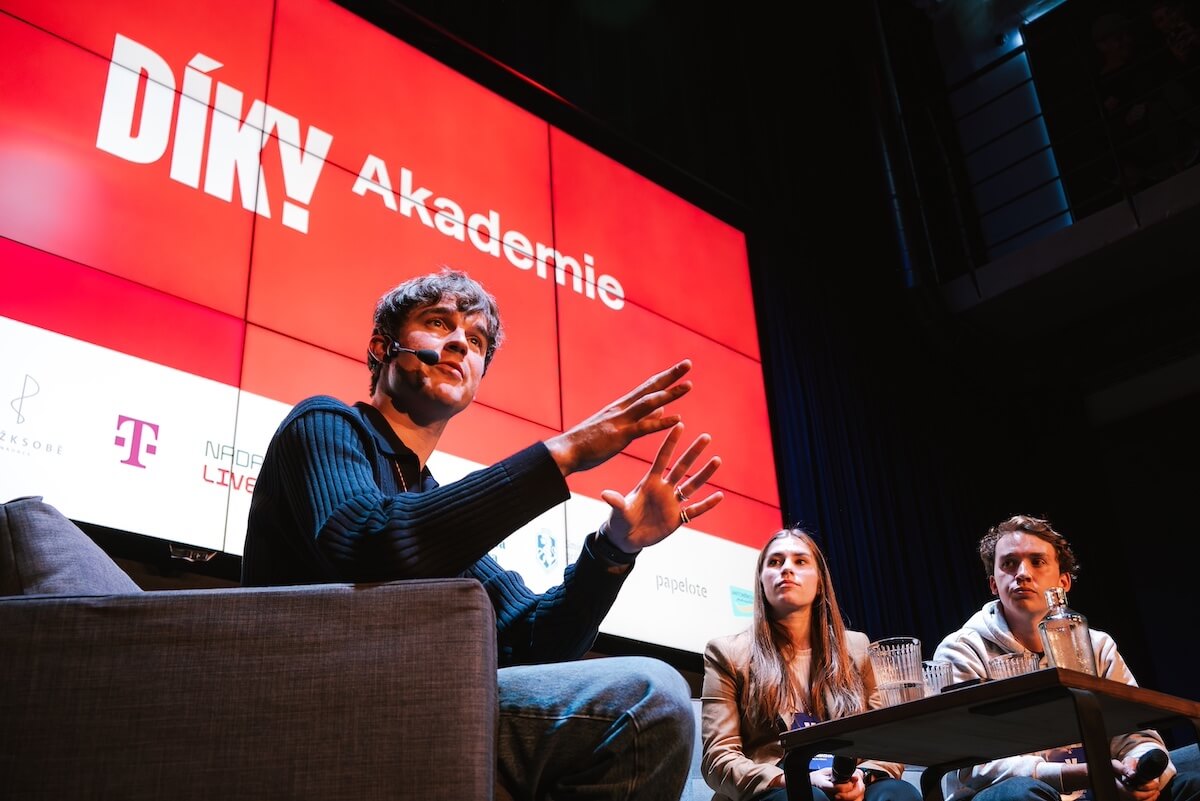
(1023, 557)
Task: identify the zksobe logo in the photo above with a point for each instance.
(29, 388)
(137, 439)
(24, 431)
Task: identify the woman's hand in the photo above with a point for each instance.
(850, 790)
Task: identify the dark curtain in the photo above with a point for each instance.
(869, 464)
(776, 109)
(900, 435)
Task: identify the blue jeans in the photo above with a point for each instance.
(1184, 786)
(1018, 788)
(882, 790)
(618, 728)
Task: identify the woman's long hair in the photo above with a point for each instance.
(835, 688)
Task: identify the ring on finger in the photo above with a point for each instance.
(679, 496)
(683, 517)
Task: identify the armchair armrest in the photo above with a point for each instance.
(313, 692)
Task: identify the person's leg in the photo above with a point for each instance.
(619, 728)
(780, 794)
(1184, 786)
(892, 790)
(1018, 788)
(882, 790)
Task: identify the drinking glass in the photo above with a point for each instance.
(897, 665)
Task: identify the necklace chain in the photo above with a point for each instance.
(400, 475)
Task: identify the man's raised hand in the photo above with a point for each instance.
(662, 501)
(610, 430)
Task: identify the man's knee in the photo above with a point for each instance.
(660, 684)
(658, 704)
(1019, 788)
(892, 790)
(660, 676)
(1184, 786)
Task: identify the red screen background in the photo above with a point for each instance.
(119, 254)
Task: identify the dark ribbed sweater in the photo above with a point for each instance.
(327, 507)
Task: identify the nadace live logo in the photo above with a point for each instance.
(232, 467)
(227, 148)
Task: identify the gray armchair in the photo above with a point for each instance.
(313, 692)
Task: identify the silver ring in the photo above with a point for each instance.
(683, 517)
(679, 496)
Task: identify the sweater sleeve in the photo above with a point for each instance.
(557, 625)
(1112, 665)
(318, 471)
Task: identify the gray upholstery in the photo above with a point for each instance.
(41, 551)
(384, 691)
(334, 691)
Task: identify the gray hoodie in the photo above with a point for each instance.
(986, 635)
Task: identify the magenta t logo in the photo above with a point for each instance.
(137, 448)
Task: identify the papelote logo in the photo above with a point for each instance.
(222, 149)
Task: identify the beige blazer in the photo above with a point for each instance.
(739, 758)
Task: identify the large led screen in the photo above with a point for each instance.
(199, 206)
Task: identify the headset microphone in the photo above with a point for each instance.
(394, 349)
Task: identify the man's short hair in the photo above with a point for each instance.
(1036, 527)
(392, 310)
